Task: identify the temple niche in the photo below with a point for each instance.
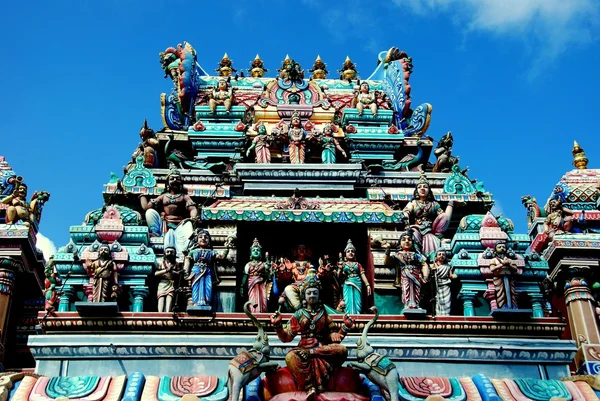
(301, 235)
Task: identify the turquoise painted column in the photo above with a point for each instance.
(536, 304)
(468, 297)
(65, 298)
(139, 293)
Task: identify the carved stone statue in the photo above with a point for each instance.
(559, 219)
(177, 208)
(256, 279)
(221, 95)
(260, 145)
(348, 71)
(201, 271)
(504, 269)
(378, 368)
(364, 98)
(103, 276)
(258, 68)
(297, 137)
(18, 208)
(427, 217)
(353, 276)
(319, 351)
(443, 153)
(146, 148)
(412, 270)
(50, 283)
(329, 145)
(319, 70)
(442, 274)
(168, 274)
(298, 269)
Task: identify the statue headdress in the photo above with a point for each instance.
(295, 114)
(349, 246)
(256, 244)
(311, 281)
(423, 179)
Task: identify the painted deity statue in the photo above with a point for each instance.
(329, 145)
(177, 210)
(256, 278)
(146, 148)
(50, 291)
(168, 275)
(427, 217)
(19, 209)
(443, 153)
(299, 269)
(297, 137)
(222, 95)
(319, 351)
(443, 275)
(104, 277)
(201, 271)
(503, 269)
(412, 270)
(559, 219)
(365, 98)
(353, 276)
(260, 145)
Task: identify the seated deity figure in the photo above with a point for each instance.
(178, 209)
(504, 269)
(221, 95)
(201, 270)
(18, 207)
(319, 351)
(427, 218)
(299, 269)
(365, 98)
(412, 270)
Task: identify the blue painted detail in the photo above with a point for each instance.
(253, 390)
(393, 86)
(171, 115)
(591, 368)
(419, 121)
(134, 387)
(14, 389)
(543, 390)
(457, 183)
(373, 218)
(253, 216)
(282, 217)
(373, 390)
(486, 388)
(343, 218)
(312, 218)
(458, 392)
(72, 386)
(139, 176)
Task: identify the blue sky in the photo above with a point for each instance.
(513, 80)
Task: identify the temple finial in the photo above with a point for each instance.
(580, 161)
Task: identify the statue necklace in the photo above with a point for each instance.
(173, 198)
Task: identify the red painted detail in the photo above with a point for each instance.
(200, 386)
(423, 387)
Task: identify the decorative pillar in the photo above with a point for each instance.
(581, 311)
(537, 301)
(67, 293)
(139, 294)
(468, 297)
(8, 267)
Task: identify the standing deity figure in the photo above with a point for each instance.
(443, 275)
(443, 153)
(299, 269)
(319, 351)
(221, 95)
(365, 98)
(177, 207)
(146, 148)
(503, 269)
(412, 270)
(50, 283)
(297, 138)
(260, 145)
(103, 276)
(200, 269)
(168, 274)
(353, 276)
(559, 219)
(330, 145)
(427, 217)
(256, 278)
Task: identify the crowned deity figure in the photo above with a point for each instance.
(299, 269)
(297, 137)
(412, 270)
(559, 219)
(365, 98)
(177, 210)
(443, 275)
(353, 277)
(329, 145)
(504, 269)
(18, 207)
(443, 153)
(319, 350)
(104, 277)
(427, 218)
(201, 270)
(222, 95)
(147, 148)
(168, 274)
(256, 279)
(260, 145)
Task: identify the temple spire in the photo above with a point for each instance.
(580, 161)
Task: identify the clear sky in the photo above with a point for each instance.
(513, 80)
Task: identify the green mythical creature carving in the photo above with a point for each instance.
(406, 163)
(177, 159)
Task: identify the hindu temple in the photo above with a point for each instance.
(295, 233)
